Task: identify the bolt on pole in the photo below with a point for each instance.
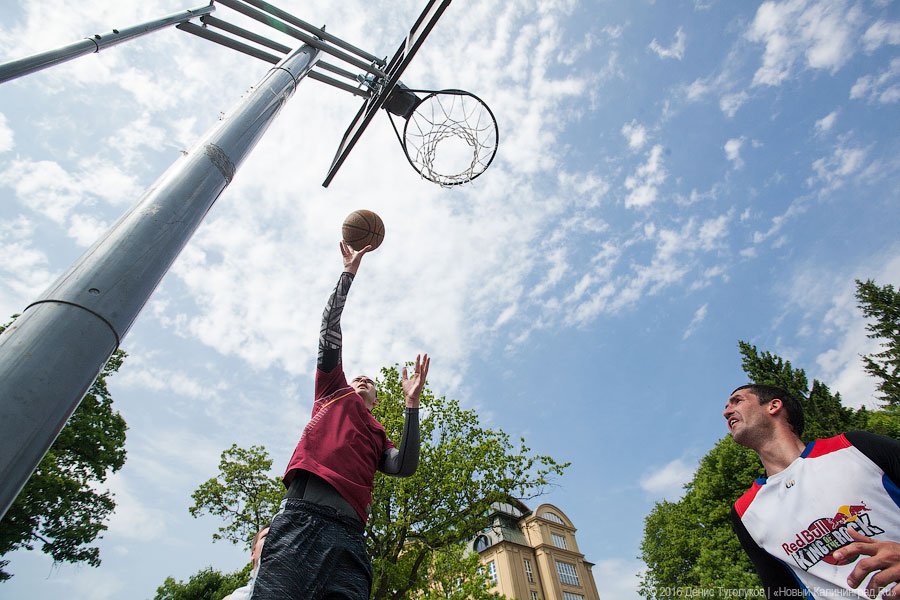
(50, 356)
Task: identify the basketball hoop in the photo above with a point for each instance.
(450, 136)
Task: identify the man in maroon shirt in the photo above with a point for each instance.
(315, 547)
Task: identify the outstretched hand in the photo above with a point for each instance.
(352, 257)
(412, 386)
(883, 560)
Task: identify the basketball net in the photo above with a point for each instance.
(450, 136)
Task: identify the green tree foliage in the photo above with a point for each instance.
(207, 584)
(882, 304)
(456, 574)
(62, 507)
(690, 543)
(464, 468)
(243, 494)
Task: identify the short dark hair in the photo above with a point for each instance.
(766, 393)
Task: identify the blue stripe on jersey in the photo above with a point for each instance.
(808, 449)
(891, 488)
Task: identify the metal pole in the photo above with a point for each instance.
(36, 62)
(52, 353)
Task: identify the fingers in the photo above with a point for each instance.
(851, 551)
(883, 559)
(405, 375)
(426, 362)
(884, 579)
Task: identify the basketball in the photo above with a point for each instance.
(363, 228)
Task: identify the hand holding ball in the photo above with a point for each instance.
(363, 228)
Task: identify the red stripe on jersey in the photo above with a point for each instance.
(829, 445)
(743, 503)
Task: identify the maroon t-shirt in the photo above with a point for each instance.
(342, 443)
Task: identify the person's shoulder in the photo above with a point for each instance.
(327, 382)
(743, 503)
(868, 442)
(868, 437)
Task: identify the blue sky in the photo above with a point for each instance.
(672, 177)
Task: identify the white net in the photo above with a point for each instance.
(451, 137)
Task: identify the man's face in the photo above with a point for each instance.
(747, 419)
(365, 387)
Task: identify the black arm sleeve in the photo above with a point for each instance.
(881, 450)
(405, 461)
(772, 572)
(330, 333)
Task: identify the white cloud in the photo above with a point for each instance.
(882, 88)
(796, 208)
(647, 178)
(133, 518)
(832, 171)
(821, 32)
(697, 89)
(85, 229)
(841, 366)
(699, 316)
(667, 482)
(827, 122)
(618, 578)
(96, 585)
(731, 103)
(879, 33)
(25, 269)
(733, 152)
(635, 133)
(7, 138)
(676, 50)
(50, 190)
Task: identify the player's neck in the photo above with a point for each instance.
(779, 451)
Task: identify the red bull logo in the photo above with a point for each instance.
(823, 536)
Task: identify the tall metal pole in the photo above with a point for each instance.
(52, 353)
(36, 62)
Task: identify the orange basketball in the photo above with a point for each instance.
(363, 228)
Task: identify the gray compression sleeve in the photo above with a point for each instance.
(403, 462)
(330, 332)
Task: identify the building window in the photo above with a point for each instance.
(571, 596)
(534, 596)
(492, 571)
(482, 543)
(553, 517)
(528, 572)
(559, 541)
(567, 573)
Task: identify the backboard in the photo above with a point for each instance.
(383, 88)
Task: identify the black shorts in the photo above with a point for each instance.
(313, 553)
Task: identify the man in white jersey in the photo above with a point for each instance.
(825, 520)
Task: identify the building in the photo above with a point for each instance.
(534, 555)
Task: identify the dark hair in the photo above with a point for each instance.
(766, 393)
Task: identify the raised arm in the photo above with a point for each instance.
(330, 333)
(404, 461)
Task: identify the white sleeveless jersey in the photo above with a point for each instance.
(801, 515)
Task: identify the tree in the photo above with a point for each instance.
(456, 574)
(62, 507)
(463, 469)
(419, 524)
(883, 305)
(243, 494)
(207, 584)
(690, 543)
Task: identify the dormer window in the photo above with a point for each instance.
(553, 517)
(482, 542)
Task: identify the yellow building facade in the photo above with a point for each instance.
(534, 555)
